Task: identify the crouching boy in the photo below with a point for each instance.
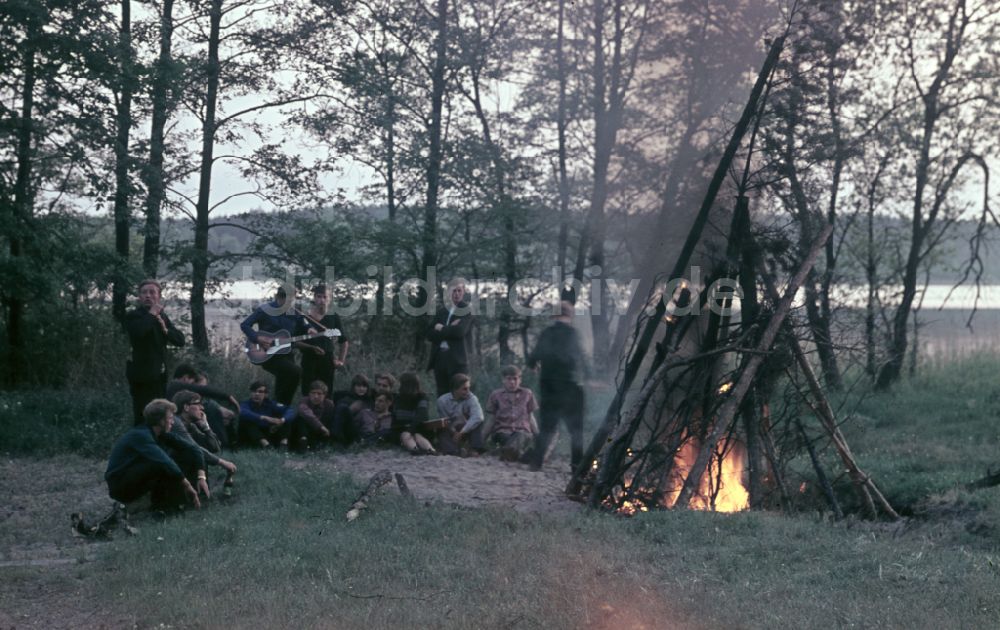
(512, 409)
(139, 465)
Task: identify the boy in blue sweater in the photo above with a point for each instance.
(264, 421)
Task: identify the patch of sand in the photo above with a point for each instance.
(469, 481)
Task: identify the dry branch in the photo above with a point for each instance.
(375, 485)
(746, 378)
(865, 487)
(991, 479)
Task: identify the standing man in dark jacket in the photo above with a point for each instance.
(447, 336)
(563, 363)
(149, 331)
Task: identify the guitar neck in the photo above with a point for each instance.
(304, 337)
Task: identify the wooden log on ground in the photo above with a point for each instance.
(404, 489)
(375, 485)
(991, 479)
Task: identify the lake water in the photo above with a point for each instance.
(943, 334)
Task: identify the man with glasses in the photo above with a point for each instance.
(264, 422)
(191, 424)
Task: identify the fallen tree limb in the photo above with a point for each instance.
(403, 488)
(375, 485)
(991, 479)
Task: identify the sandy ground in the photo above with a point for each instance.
(471, 481)
(41, 585)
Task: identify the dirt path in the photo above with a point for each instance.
(40, 561)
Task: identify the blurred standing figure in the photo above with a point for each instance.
(149, 331)
(561, 354)
(447, 336)
(322, 367)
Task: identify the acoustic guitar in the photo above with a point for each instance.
(281, 343)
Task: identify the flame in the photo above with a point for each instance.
(725, 387)
(730, 495)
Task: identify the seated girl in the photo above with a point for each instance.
(410, 415)
(347, 405)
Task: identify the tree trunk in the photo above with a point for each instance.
(502, 205)
(438, 84)
(122, 187)
(561, 124)
(831, 371)
(390, 183)
(155, 186)
(685, 160)
(200, 258)
(23, 208)
(890, 372)
(819, 324)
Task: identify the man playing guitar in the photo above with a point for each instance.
(279, 316)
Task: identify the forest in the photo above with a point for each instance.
(499, 139)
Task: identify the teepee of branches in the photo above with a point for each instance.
(690, 424)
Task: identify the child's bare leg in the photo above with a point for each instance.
(423, 443)
(407, 440)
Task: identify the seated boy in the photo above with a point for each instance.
(220, 418)
(139, 465)
(314, 416)
(512, 409)
(191, 423)
(375, 424)
(262, 420)
(464, 435)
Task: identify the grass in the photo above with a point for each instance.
(282, 555)
(932, 433)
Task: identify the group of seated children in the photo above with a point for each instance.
(167, 456)
(367, 415)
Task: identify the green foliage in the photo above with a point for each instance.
(931, 433)
(48, 422)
